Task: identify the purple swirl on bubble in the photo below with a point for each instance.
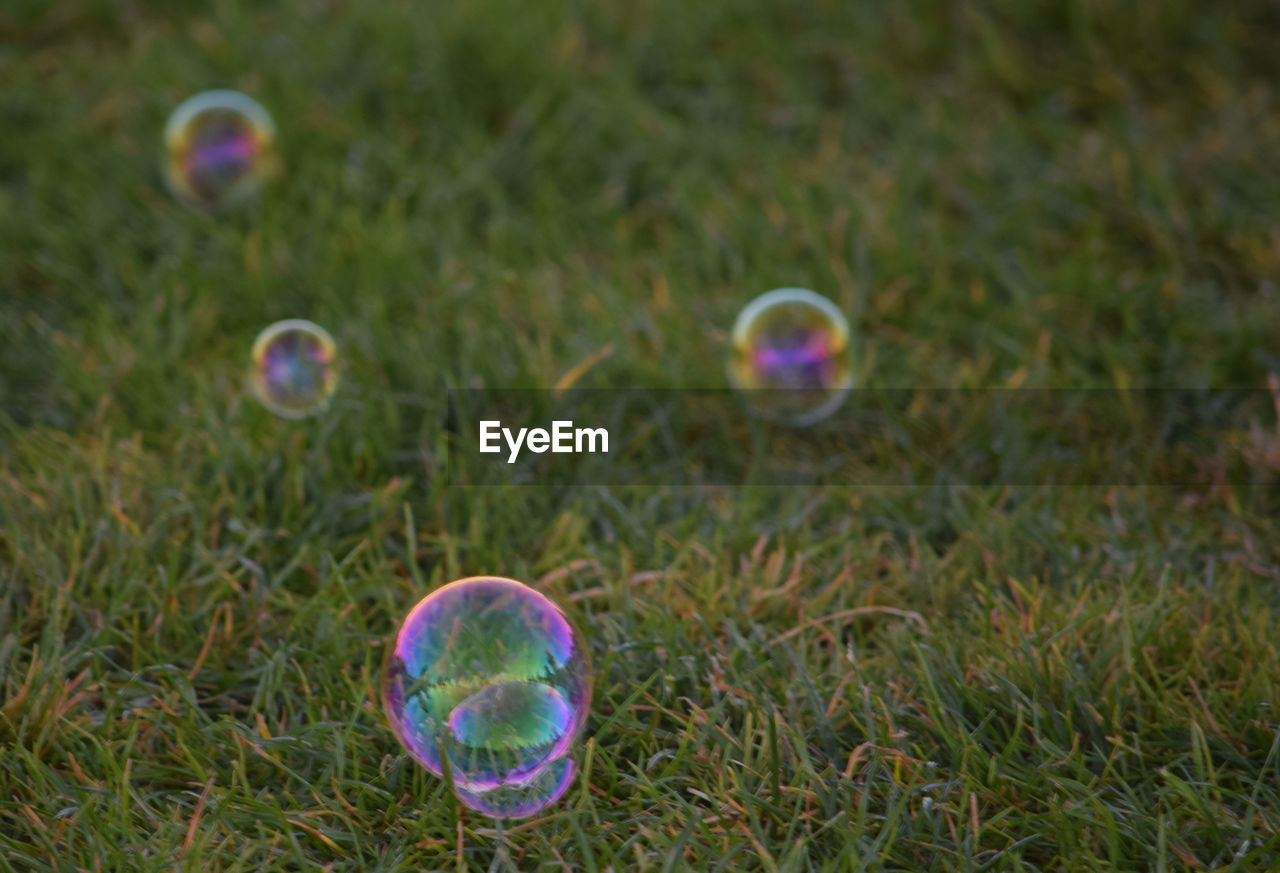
(791, 357)
(218, 149)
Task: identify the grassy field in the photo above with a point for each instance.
(195, 597)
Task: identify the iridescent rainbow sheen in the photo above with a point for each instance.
(294, 371)
(218, 149)
(791, 356)
(488, 676)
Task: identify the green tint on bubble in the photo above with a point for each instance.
(488, 677)
(219, 149)
(294, 368)
(791, 356)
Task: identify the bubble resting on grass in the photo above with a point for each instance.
(488, 677)
(218, 149)
(518, 798)
(791, 356)
(294, 371)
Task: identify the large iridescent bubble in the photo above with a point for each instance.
(218, 149)
(791, 357)
(294, 369)
(489, 678)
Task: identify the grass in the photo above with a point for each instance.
(195, 597)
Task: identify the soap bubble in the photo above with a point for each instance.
(218, 149)
(791, 356)
(489, 678)
(295, 368)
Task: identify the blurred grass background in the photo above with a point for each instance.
(194, 596)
